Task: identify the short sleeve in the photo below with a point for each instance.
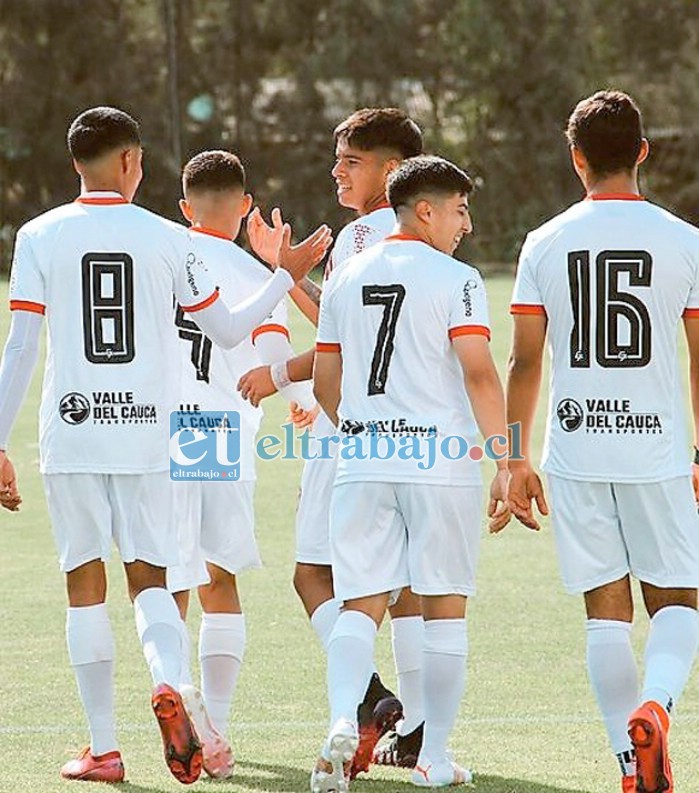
(27, 287)
(526, 296)
(468, 312)
(691, 310)
(194, 287)
(328, 339)
(276, 322)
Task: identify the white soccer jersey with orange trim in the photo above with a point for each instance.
(393, 314)
(360, 234)
(211, 373)
(104, 271)
(614, 277)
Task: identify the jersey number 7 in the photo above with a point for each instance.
(391, 297)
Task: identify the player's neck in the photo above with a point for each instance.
(101, 183)
(214, 226)
(615, 184)
(378, 201)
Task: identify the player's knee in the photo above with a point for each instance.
(310, 577)
(141, 575)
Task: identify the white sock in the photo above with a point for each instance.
(350, 663)
(611, 667)
(670, 652)
(158, 626)
(221, 649)
(91, 652)
(186, 663)
(444, 679)
(408, 635)
(324, 618)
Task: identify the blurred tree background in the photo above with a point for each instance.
(491, 82)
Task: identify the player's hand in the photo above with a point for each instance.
(265, 239)
(302, 418)
(256, 384)
(299, 260)
(498, 509)
(524, 489)
(9, 493)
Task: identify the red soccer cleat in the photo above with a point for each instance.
(87, 768)
(648, 728)
(377, 714)
(183, 753)
(628, 784)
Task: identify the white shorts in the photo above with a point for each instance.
(605, 531)
(216, 524)
(313, 513)
(88, 511)
(385, 536)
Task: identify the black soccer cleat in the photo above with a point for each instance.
(400, 751)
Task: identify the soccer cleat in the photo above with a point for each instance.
(216, 751)
(378, 713)
(628, 784)
(331, 771)
(400, 751)
(183, 753)
(445, 774)
(648, 728)
(88, 768)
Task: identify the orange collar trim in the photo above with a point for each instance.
(402, 238)
(211, 232)
(101, 198)
(616, 197)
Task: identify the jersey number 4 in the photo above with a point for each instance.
(618, 314)
(201, 344)
(391, 297)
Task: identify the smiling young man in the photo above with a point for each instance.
(403, 341)
(609, 281)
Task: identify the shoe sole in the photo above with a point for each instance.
(218, 761)
(183, 753)
(387, 713)
(652, 774)
(97, 775)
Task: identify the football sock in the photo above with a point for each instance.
(408, 634)
(350, 663)
(221, 650)
(324, 618)
(670, 652)
(186, 664)
(158, 626)
(91, 652)
(611, 667)
(444, 679)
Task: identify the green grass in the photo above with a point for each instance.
(528, 723)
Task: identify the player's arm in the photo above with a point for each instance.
(274, 348)
(487, 399)
(263, 381)
(18, 362)
(523, 384)
(327, 377)
(691, 329)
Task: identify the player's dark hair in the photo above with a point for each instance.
(380, 128)
(421, 176)
(100, 130)
(607, 128)
(213, 171)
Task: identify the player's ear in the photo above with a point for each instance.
(391, 165)
(246, 205)
(643, 152)
(423, 210)
(186, 210)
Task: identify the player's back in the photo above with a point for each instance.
(397, 308)
(614, 277)
(105, 270)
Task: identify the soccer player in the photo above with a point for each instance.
(216, 523)
(609, 280)
(369, 145)
(403, 356)
(104, 272)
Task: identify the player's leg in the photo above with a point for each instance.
(80, 518)
(314, 586)
(661, 528)
(593, 560)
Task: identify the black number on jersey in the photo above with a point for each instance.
(201, 344)
(108, 320)
(614, 308)
(391, 298)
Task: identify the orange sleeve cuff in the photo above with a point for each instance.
(27, 305)
(322, 346)
(271, 328)
(469, 330)
(212, 298)
(690, 313)
(526, 308)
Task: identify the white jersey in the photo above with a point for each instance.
(614, 276)
(360, 234)
(104, 271)
(211, 373)
(393, 314)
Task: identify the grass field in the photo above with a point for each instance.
(528, 723)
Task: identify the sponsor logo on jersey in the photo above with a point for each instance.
(469, 286)
(74, 408)
(570, 415)
(106, 407)
(602, 416)
(395, 427)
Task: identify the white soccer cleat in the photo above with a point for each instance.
(445, 774)
(332, 768)
(218, 755)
